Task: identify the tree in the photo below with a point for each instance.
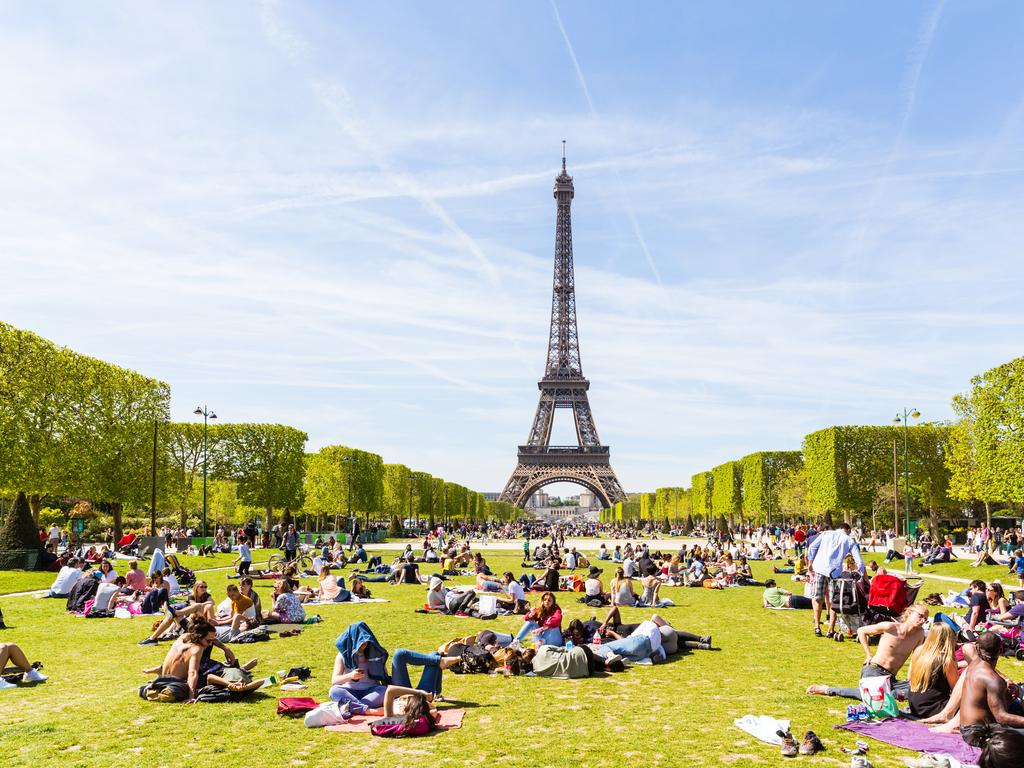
(181, 473)
(701, 489)
(268, 463)
(19, 541)
(727, 490)
(397, 487)
(795, 494)
(762, 473)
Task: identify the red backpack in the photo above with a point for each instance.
(295, 707)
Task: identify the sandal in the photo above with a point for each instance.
(789, 748)
(811, 744)
(817, 632)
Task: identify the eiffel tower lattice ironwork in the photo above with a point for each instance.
(588, 462)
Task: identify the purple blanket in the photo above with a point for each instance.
(913, 735)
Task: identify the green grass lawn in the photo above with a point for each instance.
(679, 713)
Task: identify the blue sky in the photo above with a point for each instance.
(339, 216)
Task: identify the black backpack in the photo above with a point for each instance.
(846, 595)
(474, 659)
(83, 591)
(184, 576)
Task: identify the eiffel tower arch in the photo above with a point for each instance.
(563, 385)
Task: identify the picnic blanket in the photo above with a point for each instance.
(354, 599)
(450, 718)
(910, 734)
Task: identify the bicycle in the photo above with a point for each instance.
(277, 563)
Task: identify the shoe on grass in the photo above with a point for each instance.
(148, 641)
(817, 632)
(5, 686)
(33, 676)
(789, 747)
(860, 761)
(811, 744)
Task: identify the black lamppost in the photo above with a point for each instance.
(908, 413)
(207, 414)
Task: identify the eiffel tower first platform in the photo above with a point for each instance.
(587, 463)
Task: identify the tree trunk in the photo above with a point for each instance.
(933, 521)
(183, 520)
(115, 510)
(270, 519)
(35, 504)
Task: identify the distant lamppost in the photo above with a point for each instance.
(908, 413)
(207, 414)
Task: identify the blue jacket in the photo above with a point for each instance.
(352, 639)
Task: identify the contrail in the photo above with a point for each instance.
(335, 98)
(618, 177)
(911, 78)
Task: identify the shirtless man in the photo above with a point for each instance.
(983, 700)
(184, 662)
(897, 641)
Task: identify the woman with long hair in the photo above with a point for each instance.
(621, 588)
(107, 572)
(330, 589)
(544, 622)
(933, 672)
(996, 597)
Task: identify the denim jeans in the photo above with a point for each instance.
(551, 636)
(430, 680)
(635, 648)
(360, 699)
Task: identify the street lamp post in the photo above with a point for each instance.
(908, 413)
(207, 414)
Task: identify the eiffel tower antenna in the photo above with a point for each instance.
(563, 386)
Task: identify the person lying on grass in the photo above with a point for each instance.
(776, 597)
(408, 572)
(897, 640)
(9, 652)
(579, 661)
(643, 645)
(407, 712)
(457, 600)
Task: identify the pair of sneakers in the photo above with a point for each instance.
(32, 676)
(810, 745)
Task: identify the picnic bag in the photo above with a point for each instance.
(474, 659)
(876, 693)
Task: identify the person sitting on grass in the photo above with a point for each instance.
(984, 696)
(1013, 614)
(359, 679)
(157, 594)
(776, 597)
(897, 640)
(513, 596)
(246, 588)
(200, 605)
(9, 652)
(287, 607)
(188, 661)
(329, 589)
(933, 672)
(485, 582)
(544, 622)
(652, 587)
(135, 577)
(593, 589)
(621, 589)
(997, 602)
(68, 577)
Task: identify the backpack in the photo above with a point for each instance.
(295, 707)
(213, 694)
(81, 593)
(254, 635)
(474, 659)
(845, 594)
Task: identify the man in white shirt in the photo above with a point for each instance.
(54, 535)
(67, 578)
(629, 567)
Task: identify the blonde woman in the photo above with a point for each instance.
(621, 589)
(933, 672)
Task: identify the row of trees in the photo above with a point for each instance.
(73, 427)
(975, 462)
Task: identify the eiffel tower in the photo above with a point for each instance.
(563, 386)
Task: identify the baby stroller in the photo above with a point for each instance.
(889, 596)
(1012, 635)
(184, 576)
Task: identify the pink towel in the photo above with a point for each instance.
(450, 718)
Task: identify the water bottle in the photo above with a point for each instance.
(597, 638)
(569, 644)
